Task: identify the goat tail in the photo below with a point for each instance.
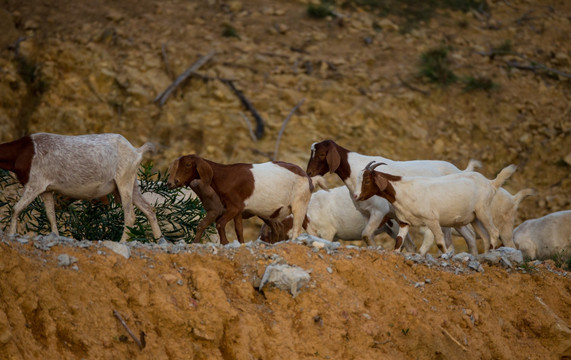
(147, 147)
(503, 175)
(473, 164)
(522, 194)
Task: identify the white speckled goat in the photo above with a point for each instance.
(80, 167)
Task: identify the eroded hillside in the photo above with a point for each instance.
(76, 67)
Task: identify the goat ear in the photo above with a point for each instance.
(204, 170)
(381, 181)
(333, 160)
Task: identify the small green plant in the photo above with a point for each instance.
(229, 31)
(405, 331)
(526, 266)
(503, 48)
(321, 10)
(32, 75)
(435, 66)
(178, 217)
(410, 13)
(560, 258)
(478, 83)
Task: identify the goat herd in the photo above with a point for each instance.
(433, 195)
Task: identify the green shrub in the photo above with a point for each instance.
(229, 31)
(435, 66)
(560, 259)
(479, 83)
(320, 11)
(413, 12)
(96, 220)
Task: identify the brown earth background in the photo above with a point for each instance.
(96, 66)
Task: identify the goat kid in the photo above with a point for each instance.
(80, 167)
(449, 201)
(329, 157)
(271, 190)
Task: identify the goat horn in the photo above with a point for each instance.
(368, 165)
(377, 164)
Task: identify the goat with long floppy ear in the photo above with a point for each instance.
(384, 188)
(381, 181)
(204, 170)
(333, 159)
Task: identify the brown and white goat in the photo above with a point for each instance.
(449, 200)
(80, 167)
(271, 190)
(329, 157)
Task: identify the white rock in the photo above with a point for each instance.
(118, 248)
(285, 277)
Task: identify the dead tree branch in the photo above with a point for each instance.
(166, 61)
(259, 121)
(249, 125)
(140, 343)
(412, 87)
(533, 65)
(162, 98)
(275, 157)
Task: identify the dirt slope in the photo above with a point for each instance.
(359, 304)
(96, 66)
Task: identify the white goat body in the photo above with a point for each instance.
(450, 201)
(546, 236)
(348, 165)
(83, 167)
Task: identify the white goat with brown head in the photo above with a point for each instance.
(80, 167)
(329, 157)
(450, 200)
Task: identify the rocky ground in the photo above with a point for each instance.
(59, 299)
(83, 67)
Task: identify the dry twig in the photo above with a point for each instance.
(535, 66)
(452, 338)
(166, 60)
(249, 125)
(413, 88)
(162, 98)
(275, 157)
(141, 343)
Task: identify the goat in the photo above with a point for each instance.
(449, 200)
(546, 236)
(504, 211)
(332, 216)
(211, 203)
(329, 157)
(79, 167)
(271, 190)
